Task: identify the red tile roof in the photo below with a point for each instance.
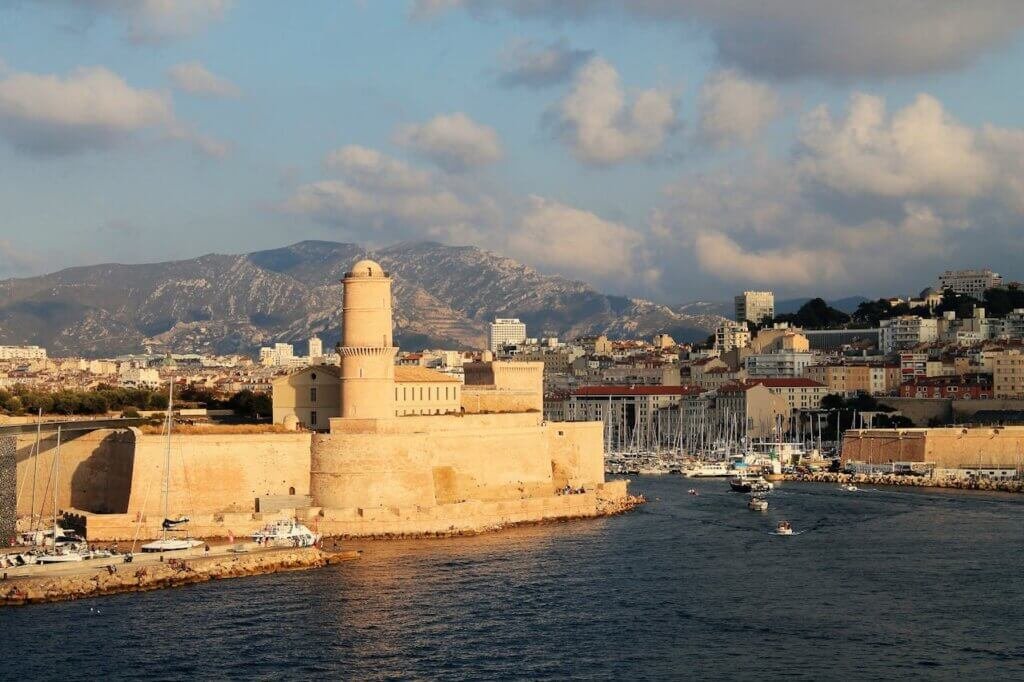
(635, 390)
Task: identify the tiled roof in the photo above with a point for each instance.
(635, 390)
(413, 374)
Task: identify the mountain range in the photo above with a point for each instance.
(443, 297)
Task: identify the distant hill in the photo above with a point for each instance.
(847, 305)
(444, 297)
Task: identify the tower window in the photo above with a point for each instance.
(312, 394)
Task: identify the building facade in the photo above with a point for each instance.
(907, 331)
(755, 306)
(505, 331)
(970, 282)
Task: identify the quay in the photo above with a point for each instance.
(57, 582)
(1005, 486)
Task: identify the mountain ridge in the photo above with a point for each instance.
(223, 303)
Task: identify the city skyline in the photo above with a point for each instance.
(866, 164)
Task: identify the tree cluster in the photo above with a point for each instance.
(24, 400)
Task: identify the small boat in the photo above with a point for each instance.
(64, 555)
(784, 528)
(692, 491)
(286, 533)
(849, 487)
(171, 544)
(740, 484)
(757, 504)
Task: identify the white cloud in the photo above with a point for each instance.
(532, 64)
(369, 168)
(91, 108)
(454, 142)
(918, 151)
(734, 109)
(792, 267)
(195, 79)
(598, 125)
(384, 194)
(835, 39)
(555, 236)
(154, 21)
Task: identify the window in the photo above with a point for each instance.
(312, 394)
(312, 418)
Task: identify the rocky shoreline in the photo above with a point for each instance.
(158, 575)
(909, 481)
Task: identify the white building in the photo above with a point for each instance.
(316, 347)
(755, 306)
(280, 355)
(906, 332)
(969, 282)
(784, 364)
(138, 377)
(732, 335)
(22, 353)
(505, 331)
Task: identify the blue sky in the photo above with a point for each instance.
(671, 149)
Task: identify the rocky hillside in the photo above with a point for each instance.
(444, 296)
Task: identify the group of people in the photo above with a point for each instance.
(569, 490)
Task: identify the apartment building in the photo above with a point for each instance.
(907, 331)
(969, 282)
(505, 331)
(755, 306)
(1008, 374)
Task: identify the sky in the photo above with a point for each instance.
(670, 149)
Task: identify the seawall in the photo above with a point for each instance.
(910, 481)
(153, 576)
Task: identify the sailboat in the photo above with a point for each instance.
(167, 542)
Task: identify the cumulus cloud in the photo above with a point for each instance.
(455, 142)
(734, 109)
(723, 257)
(835, 39)
(555, 236)
(194, 79)
(91, 108)
(387, 195)
(155, 21)
(601, 128)
(528, 63)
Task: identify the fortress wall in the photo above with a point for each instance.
(422, 461)
(950, 448)
(96, 469)
(576, 450)
(218, 472)
(487, 399)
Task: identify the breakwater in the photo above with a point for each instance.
(914, 481)
(171, 572)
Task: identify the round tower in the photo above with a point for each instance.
(367, 351)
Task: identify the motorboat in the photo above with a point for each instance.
(757, 504)
(692, 491)
(286, 533)
(849, 487)
(741, 484)
(784, 528)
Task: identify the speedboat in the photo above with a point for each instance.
(784, 528)
(849, 487)
(692, 491)
(286, 533)
(757, 504)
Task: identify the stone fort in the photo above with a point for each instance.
(386, 451)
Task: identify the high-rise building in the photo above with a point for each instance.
(969, 282)
(731, 335)
(505, 331)
(316, 347)
(755, 306)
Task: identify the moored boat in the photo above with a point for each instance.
(286, 533)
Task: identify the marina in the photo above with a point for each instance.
(533, 601)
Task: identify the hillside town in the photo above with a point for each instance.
(951, 354)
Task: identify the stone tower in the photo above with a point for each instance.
(367, 351)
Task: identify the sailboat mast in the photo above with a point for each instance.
(167, 455)
(56, 486)
(35, 472)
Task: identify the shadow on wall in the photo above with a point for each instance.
(102, 482)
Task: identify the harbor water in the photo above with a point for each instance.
(880, 583)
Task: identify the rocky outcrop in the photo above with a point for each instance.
(170, 573)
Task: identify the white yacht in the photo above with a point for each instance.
(707, 470)
(286, 533)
